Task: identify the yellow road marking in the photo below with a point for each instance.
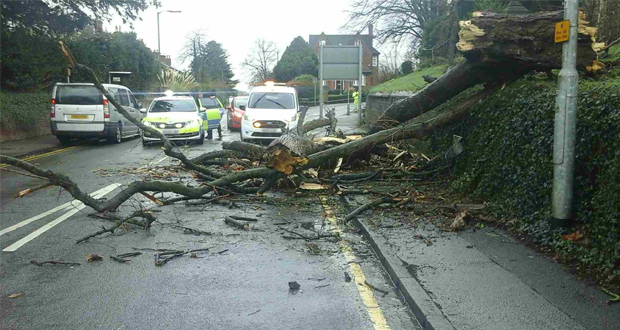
(47, 154)
(374, 311)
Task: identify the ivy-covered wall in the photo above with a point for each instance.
(24, 115)
(507, 162)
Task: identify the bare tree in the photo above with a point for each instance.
(395, 19)
(260, 60)
(390, 65)
(194, 43)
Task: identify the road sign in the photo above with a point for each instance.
(343, 62)
(561, 31)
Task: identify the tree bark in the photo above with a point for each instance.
(525, 40)
(497, 47)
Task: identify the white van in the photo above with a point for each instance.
(80, 110)
(270, 109)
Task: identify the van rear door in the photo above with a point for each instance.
(79, 108)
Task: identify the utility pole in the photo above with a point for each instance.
(158, 38)
(564, 138)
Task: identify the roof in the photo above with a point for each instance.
(275, 89)
(345, 39)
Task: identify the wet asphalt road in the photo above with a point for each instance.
(240, 282)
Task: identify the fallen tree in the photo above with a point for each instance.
(497, 48)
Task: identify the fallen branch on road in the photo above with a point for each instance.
(366, 206)
(54, 262)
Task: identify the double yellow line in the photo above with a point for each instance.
(47, 154)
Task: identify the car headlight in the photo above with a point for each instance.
(238, 114)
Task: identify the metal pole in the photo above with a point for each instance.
(315, 82)
(321, 83)
(566, 121)
(359, 104)
(158, 47)
(348, 109)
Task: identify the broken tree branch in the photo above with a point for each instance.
(366, 206)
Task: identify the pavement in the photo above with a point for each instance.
(28, 146)
(421, 276)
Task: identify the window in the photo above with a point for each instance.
(239, 101)
(122, 97)
(363, 80)
(186, 105)
(272, 101)
(375, 60)
(209, 103)
(323, 42)
(132, 100)
(78, 95)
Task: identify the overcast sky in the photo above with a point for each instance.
(237, 23)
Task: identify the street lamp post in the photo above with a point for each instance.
(158, 38)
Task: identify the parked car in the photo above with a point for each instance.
(236, 110)
(177, 117)
(271, 109)
(81, 110)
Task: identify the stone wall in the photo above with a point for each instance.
(378, 102)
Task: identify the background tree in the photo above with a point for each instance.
(60, 17)
(298, 59)
(29, 62)
(260, 60)
(216, 64)
(406, 67)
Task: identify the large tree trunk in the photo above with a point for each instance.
(497, 47)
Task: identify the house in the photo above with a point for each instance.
(370, 56)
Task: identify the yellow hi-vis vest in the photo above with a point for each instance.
(213, 117)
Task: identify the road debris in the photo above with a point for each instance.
(573, 237)
(236, 223)
(615, 298)
(243, 218)
(254, 312)
(15, 295)
(459, 221)
(293, 285)
(164, 257)
(347, 277)
(94, 257)
(54, 262)
(122, 258)
(313, 248)
(321, 286)
(385, 292)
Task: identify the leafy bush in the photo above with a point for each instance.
(23, 110)
(509, 144)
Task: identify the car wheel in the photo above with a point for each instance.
(118, 135)
(230, 123)
(201, 139)
(64, 140)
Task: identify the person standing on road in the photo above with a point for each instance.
(356, 100)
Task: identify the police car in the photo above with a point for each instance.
(271, 109)
(179, 117)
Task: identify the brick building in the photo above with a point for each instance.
(370, 56)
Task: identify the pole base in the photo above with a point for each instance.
(555, 223)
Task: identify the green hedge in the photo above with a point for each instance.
(23, 110)
(509, 144)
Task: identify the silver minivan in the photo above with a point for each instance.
(81, 110)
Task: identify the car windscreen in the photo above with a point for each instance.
(173, 106)
(241, 101)
(272, 101)
(78, 95)
(209, 103)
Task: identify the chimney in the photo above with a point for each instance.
(370, 32)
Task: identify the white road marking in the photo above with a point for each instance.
(76, 208)
(67, 205)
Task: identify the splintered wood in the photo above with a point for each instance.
(282, 160)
